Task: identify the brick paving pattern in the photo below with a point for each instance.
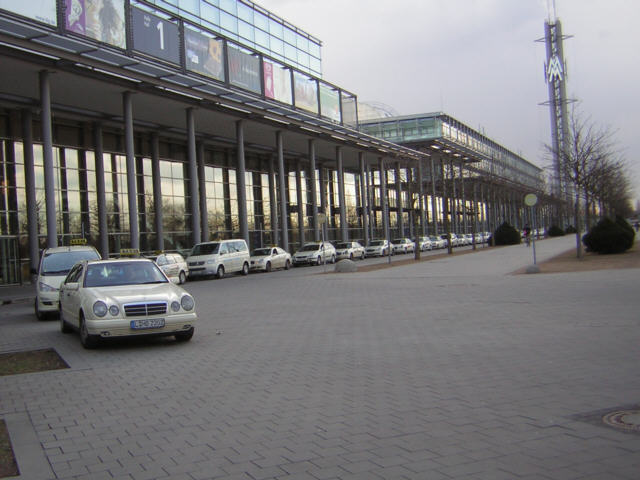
(447, 369)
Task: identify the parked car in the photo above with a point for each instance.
(219, 258)
(455, 242)
(378, 248)
(266, 259)
(54, 266)
(424, 244)
(403, 245)
(173, 265)
(123, 297)
(314, 254)
(437, 242)
(350, 250)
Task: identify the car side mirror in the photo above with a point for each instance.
(72, 286)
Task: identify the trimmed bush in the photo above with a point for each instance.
(506, 234)
(608, 236)
(630, 234)
(555, 231)
(570, 229)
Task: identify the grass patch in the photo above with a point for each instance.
(30, 361)
(8, 465)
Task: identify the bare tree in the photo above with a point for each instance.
(584, 158)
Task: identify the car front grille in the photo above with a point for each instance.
(194, 264)
(145, 309)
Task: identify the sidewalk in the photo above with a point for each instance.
(17, 294)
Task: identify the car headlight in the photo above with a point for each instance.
(209, 262)
(113, 310)
(187, 302)
(100, 309)
(261, 261)
(175, 305)
(46, 288)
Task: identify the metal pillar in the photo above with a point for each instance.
(202, 194)
(364, 199)
(30, 190)
(132, 192)
(47, 151)
(242, 184)
(323, 202)
(273, 204)
(194, 201)
(157, 190)
(314, 191)
(445, 209)
(434, 202)
(103, 228)
(399, 209)
(464, 199)
(344, 227)
(299, 201)
(384, 203)
(283, 192)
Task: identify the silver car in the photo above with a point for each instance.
(174, 266)
(266, 259)
(350, 250)
(119, 298)
(314, 254)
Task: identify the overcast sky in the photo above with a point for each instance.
(477, 61)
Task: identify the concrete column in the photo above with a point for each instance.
(103, 228)
(314, 192)
(344, 227)
(283, 192)
(445, 209)
(454, 198)
(434, 202)
(475, 213)
(273, 203)
(399, 208)
(30, 190)
(364, 199)
(241, 183)
(300, 202)
(132, 192)
(157, 190)
(47, 150)
(384, 201)
(202, 193)
(368, 182)
(422, 200)
(323, 201)
(464, 198)
(194, 201)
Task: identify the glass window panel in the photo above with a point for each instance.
(246, 31)
(229, 6)
(191, 6)
(245, 12)
(261, 21)
(302, 42)
(262, 38)
(314, 49)
(277, 45)
(73, 179)
(276, 28)
(210, 13)
(289, 36)
(290, 52)
(228, 22)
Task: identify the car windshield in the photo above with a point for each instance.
(59, 263)
(397, 240)
(122, 273)
(312, 247)
(343, 245)
(433, 239)
(205, 249)
(377, 243)
(259, 252)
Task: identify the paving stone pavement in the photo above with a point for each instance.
(447, 369)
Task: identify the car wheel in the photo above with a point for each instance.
(220, 272)
(88, 341)
(333, 259)
(184, 336)
(39, 315)
(64, 326)
(287, 265)
(267, 267)
(245, 268)
(182, 278)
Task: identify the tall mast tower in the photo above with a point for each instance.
(556, 78)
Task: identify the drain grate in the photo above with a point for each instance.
(628, 420)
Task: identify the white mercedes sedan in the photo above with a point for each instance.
(122, 298)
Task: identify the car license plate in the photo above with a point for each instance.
(147, 323)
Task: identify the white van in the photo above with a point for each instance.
(218, 258)
(54, 265)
